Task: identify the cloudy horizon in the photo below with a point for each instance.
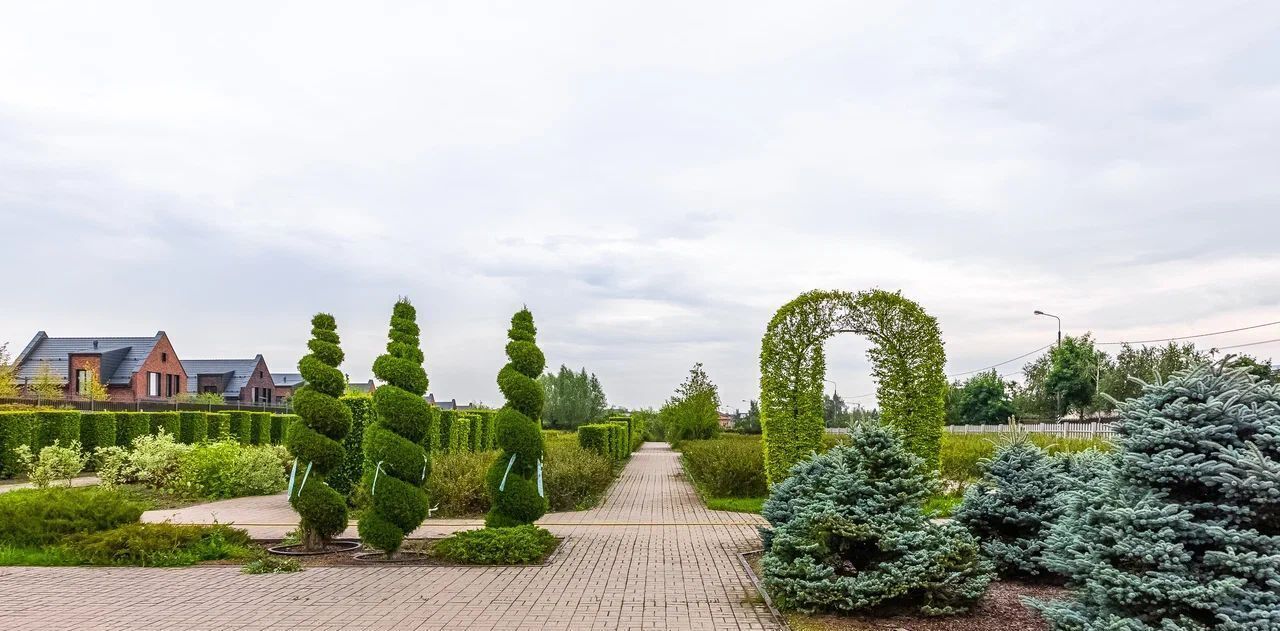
(652, 180)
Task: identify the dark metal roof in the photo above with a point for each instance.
(121, 356)
(240, 370)
(289, 379)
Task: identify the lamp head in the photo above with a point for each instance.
(1039, 312)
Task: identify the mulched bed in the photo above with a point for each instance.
(347, 559)
(1001, 608)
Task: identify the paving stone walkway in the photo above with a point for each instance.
(651, 556)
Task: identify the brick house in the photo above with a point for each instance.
(132, 368)
(451, 404)
(243, 380)
(285, 384)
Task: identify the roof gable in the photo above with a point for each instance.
(121, 356)
(240, 371)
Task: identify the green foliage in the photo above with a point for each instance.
(963, 454)
(97, 429)
(457, 483)
(1183, 534)
(159, 545)
(60, 426)
(483, 429)
(906, 357)
(476, 427)
(736, 504)
(512, 481)
(519, 545)
(1073, 373)
(981, 400)
(849, 533)
(574, 478)
(346, 477)
(1148, 363)
(315, 439)
(393, 441)
(35, 517)
(130, 425)
(16, 428)
(168, 422)
(240, 426)
(1011, 508)
(193, 427)
(260, 428)
(155, 460)
(572, 398)
(54, 462)
(596, 438)
(728, 466)
(280, 426)
(749, 424)
(228, 469)
(8, 374)
(271, 564)
(47, 386)
(619, 443)
(693, 412)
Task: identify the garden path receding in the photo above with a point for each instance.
(650, 556)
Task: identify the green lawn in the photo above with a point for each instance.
(736, 504)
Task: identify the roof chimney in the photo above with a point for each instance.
(95, 344)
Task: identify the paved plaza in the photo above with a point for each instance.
(651, 556)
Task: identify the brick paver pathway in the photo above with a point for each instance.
(651, 556)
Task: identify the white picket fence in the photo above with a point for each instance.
(1066, 429)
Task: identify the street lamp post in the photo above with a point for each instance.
(1058, 409)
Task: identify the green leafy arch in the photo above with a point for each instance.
(907, 361)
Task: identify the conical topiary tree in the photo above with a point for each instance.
(1185, 533)
(1011, 509)
(849, 533)
(515, 481)
(396, 463)
(315, 439)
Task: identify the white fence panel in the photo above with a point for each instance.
(1065, 429)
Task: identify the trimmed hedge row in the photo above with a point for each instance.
(104, 429)
(612, 440)
(469, 431)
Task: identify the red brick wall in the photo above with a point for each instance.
(164, 361)
(86, 362)
(261, 378)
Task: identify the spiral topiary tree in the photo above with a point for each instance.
(396, 463)
(515, 480)
(906, 357)
(315, 439)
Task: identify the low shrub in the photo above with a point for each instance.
(227, 469)
(16, 428)
(457, 483)
(271, 564)
(240, 426)
(59, 426)
(160, 545)
(573, 478)
(260, 428)
(112, 464)
(726, 467)
(596, 438)
(33, 517)
(517, 545)
(54, 462)
(155, 460)
(97, 429)
(193, 427)
(963, 454)
(130, 425)
(217, 426)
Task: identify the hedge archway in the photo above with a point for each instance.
(907, 361)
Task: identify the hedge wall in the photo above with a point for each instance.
(476, 425)
(193, 427)
(346, 476)
(484, 424)
(619, 441)
(455, 431)
(60, 426)
(595, 437)
(280, 426)
(260, 428)
(170, 422)
(97, 429)
(16, 428)
(240, 427)
(217, 425)
(130, 425)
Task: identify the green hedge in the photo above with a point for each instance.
(240, 427)
(97, 429)
(595, 438)
(170, 422)
(477, 433)
(455, 431)
(484, 424)
(280, 427)
(346, 476)
(16, 428)
(260, 428)
(217, 425)
(620, 443)
(61, 426)
(130, 425)
(193, 427)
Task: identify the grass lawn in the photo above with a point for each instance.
(736, 504)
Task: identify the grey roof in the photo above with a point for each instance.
(121, 356)
(288, 379)
(238, 371)
(365, 387)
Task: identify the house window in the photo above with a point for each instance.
(211, 389)
(82, 381)
(259, 374)
(153, 384)
(164, 357)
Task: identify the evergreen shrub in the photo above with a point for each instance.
(57, 426)
(848, 533)
(240, 426)
(1185, 531)
(194, 427)
(169, 422)
(16, 428)
(260, 428)
(97, 429)
(476, 433)
(346, 477)
(596, 438)
(518, 545)
(279, 426)
(515, 480)
(35, 517)
(160, 545)
(217, 426)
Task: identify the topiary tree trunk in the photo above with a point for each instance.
(315, 439)
(515, 480)
(397, 464)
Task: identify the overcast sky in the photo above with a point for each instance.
(653, 180)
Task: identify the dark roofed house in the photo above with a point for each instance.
(286, 383)
(365, 388)
(451, 404)
(243, 380)
(132, 368)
